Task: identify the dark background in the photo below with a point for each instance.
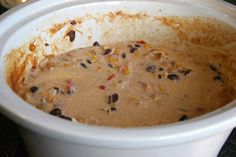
(11, 143)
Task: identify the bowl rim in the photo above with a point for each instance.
(142, 137)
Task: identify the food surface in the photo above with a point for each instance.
(127, 84)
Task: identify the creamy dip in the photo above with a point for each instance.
(127, 84)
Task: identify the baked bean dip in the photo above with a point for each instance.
(126, 84)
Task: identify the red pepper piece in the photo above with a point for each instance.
(102, 87)
(70, 86)
(111, 77)
(141, 42)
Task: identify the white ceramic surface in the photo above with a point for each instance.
(47, 136)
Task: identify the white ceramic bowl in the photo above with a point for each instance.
(47, 136)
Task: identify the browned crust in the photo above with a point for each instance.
(200, 31)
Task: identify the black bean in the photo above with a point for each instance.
(160, 69)
(88, 61)
(71, 35)
(56, 112)
(173, 77)
(185, 72)
(113, 109)
(96, 43)
(110, 65)
(183, 118)
(73, 22)
(218, 78)
(70, 92)
(46, 44)
(213, 67)
(133, 49)
(107, 51)
(123, 55)
(137, 45)
(159, 76)
(83, 65)
(34, 89)
(56, 88)
(65, 117)
(151, 68)
(114, 97)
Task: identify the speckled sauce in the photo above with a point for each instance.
(127, 84)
